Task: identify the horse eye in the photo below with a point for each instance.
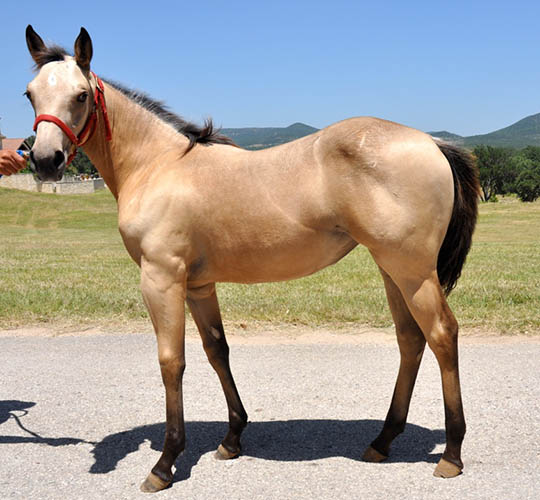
(28, 96)
(82, 97)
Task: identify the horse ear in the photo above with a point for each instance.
(83, 50)
(35, 44)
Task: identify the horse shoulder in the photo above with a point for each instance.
(153, 222)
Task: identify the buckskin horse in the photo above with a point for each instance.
(194, 209)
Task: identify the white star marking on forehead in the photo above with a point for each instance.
(52, 79)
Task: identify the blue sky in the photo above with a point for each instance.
(467, 67)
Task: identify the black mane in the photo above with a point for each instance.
(196, 134)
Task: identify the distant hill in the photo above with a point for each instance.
(447, 136)
(525, 132)
(265, 137)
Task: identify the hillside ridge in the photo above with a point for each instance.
(524, 132)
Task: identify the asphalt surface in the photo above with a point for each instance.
(82, 417)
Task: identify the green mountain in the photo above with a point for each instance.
(260, 137)
(447, 136)
(523, 133)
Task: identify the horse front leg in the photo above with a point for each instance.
(204, 308)
(164, 293)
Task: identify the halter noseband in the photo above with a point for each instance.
(90, 125)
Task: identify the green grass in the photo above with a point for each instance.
(500, 286)
(62, 261)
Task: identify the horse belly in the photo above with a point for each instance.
(283, 260)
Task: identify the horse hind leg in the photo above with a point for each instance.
(427, 304)
(204, 308)
(411, 343)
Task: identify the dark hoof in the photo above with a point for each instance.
(372, 455)
(153, 483)
(447, 469)
(223, 453)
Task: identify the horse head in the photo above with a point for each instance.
(62, 97)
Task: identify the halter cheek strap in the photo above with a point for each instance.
(53, 119)
(90, 125)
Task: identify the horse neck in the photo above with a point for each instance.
(137, 137)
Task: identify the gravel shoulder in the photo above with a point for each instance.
(266, 333)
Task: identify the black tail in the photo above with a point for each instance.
(457, 241)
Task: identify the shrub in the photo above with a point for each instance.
(527, 185)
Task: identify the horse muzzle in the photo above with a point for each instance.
(48, 168)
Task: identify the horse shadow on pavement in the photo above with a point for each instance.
(286, 441)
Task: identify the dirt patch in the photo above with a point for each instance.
(263, 333)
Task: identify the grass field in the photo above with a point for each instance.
(62, 261)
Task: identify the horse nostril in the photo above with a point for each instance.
(58, 158)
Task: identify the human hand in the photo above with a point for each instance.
(10, 162)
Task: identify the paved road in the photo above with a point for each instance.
(82, 417)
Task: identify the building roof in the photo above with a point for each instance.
(11, 143)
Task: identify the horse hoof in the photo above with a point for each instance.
(223, 453)
(446, 469)
(372, 455)
(153, 483)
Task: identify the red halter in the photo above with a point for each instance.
(90, 125)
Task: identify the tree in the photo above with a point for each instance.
(494, 168)
(28, 142)
(532, 153)
(81, 164)
(527, 185)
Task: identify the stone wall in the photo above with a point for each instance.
(25, 182)
(68, 185)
